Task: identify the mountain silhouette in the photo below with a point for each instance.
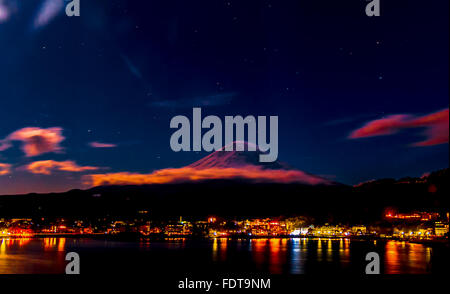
(235, 183)
(239, 164)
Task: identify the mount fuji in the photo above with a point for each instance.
(219, 165)
(237, 159)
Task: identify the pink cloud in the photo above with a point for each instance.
(174, 175)
(102, 145)
(47, 12)
(435, 124)
(436, 128)
(35, 141)
(4, 11)
(47, 166)
(380, 127)
(5, 169)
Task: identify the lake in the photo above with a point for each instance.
(259, 256)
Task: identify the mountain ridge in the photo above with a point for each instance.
(236, 198)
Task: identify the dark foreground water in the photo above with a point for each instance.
(184, 256)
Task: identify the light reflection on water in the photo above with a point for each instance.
(277, 256)
(23, 256)
(295, 253)
(406, 257)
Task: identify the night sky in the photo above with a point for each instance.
(95, 93)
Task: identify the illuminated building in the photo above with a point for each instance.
(359, 230)
(264, 227)
(413, 226)
(181, 228)
(422, 216)
(327, 231)
(413, 232)
(440, 229)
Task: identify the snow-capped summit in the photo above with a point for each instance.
(237, 159)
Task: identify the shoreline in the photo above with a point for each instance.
(136, 237)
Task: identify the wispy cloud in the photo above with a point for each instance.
(5, 10)
(46, 167)
(381, 127)
(48, 10)
(348, 119)
(35, 141)
(436, 127)
(211, 100)
(5, 169)
(130, 65)
(102, 145)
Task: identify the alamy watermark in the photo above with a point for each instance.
(373, 267)
(212, 139)
(73, 8)
(73, 267)
(373, 8)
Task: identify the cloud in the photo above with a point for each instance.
(435, 124)
(348, 119)
(101, 145)
(380, 127)
(47, 12)
(47, 166)
(436, 128)
(5, 169)
(5, 10)
(176, 175)
(133, 69)
(4, 144)
(35, 141)
(211, 100)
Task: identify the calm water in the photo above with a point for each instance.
(272, 256)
